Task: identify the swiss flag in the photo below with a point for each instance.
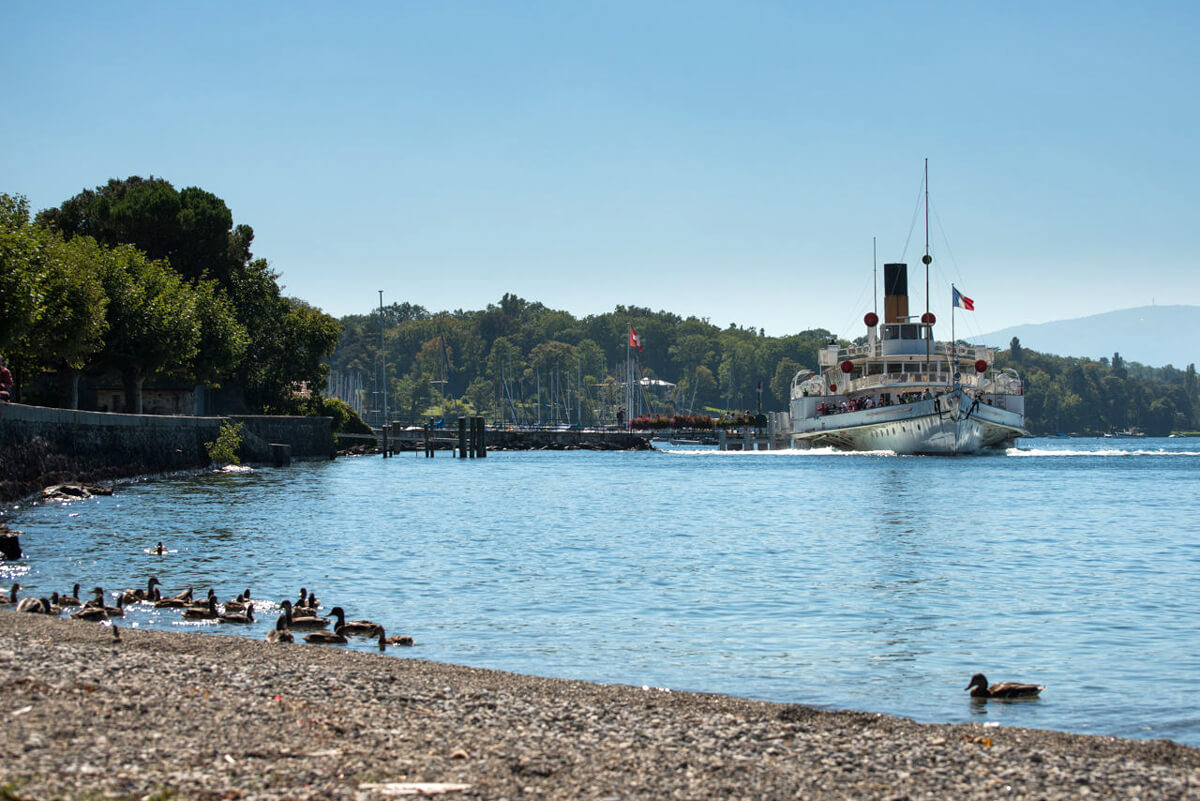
(635, 341)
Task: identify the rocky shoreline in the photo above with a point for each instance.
(157, 715)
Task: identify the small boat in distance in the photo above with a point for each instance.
(902, 390)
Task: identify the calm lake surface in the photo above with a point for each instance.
(853, 581)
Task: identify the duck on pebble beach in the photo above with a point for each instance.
(1006, 689)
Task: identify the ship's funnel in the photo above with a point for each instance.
(895, 293)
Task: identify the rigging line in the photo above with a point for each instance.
(971, 322)
(916, 213)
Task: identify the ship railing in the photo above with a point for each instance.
(942, 350)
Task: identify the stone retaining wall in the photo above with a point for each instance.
(41, 446)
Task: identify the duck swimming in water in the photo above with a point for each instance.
(1006, 689)
(11, 598)
(354, 628)
(207, 611)
(239, 617)
(72, 599)
(134, 596)
(395, 639)
(324, 638)
(280, 633)
(92, 613)
(302, 621)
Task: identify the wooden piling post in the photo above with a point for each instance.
(383, 433)
(462, 438)
(428, 442)
(481, 442)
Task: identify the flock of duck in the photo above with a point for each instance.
(302, 615)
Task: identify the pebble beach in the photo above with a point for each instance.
(170, 715)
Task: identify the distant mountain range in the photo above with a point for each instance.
(1153, 335)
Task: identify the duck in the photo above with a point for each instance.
(325, 638)
(239, 603)
(280, 633)
(1006, 689)
(206, 612)
(56, 607)
(304, 621)
(38, 606)
(395, 639)
(238, 617)
(92, 613)
(118, 610)
(158, 550)
(11, 598)
(354, 628)
(201, 606)
(98, 600)
(72, 599)
(134, 596)
(177, 601)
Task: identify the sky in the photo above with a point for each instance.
(746, 162)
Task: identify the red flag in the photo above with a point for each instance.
(635, 341)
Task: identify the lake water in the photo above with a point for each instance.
(853, 581)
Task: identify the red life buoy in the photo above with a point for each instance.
(928, 318)
(981, 366)
(832, 388)
(847, 366)
(871, 319)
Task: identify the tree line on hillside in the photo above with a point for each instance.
(519, 361)
(148, 282)
(1066, 394)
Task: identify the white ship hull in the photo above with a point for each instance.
(952, 423)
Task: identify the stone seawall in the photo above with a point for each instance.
(41, 446)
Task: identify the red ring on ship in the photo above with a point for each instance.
(981, 366)
(847, 366)
(928, 318)
(871, 319)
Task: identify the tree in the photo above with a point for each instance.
(19, 250)
(152, 325)
(69, 330)
(781, 382)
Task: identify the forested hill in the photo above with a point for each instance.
(498, 361)
(505, 352)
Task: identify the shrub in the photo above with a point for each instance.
(224, 449)
(345, 419)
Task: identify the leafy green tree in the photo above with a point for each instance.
(69, 331)
(152, 325)
(20, 248)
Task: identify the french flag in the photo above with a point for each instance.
(961, 300)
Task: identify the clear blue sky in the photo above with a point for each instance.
(725, 160)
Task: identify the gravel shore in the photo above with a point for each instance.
(167, 715)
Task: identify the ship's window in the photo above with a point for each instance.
(913, 367)
(910, 332)
(894, 367)
(891, 332)
(874, 368)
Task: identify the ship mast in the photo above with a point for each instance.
(926, 259)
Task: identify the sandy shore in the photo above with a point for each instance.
(166, 715)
